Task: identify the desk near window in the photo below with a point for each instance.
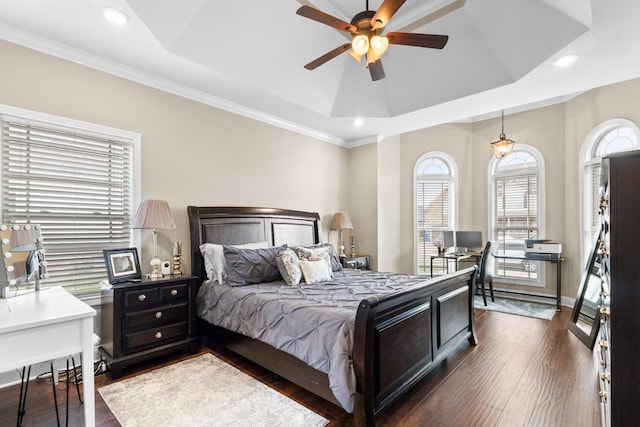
(45, 325)
(553, 258)
(455, 258)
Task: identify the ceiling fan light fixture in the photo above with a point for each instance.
(360, 44)
(503, 145)
(379, 44)
(354, 55)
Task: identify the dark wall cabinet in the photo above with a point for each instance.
(618, 343)
(142, 320)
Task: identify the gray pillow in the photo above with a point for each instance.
(249, 266)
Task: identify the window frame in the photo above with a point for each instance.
(587, 160)
(64, 124)
(452, 177)
(491, 173)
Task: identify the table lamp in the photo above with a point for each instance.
(154, 215)
(341, 221)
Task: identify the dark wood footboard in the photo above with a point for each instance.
(401, 337)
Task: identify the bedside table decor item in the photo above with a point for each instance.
(353, 247)
(154, 215)
(341, 221)
(177, 254)
(122, 265)
(22, 261)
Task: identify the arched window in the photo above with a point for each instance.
(609, 137)
(516, 189)
(435, 192)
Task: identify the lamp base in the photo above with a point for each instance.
(341, 251)
(155, 269)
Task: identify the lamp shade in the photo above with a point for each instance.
(341, 221)
(154, 214)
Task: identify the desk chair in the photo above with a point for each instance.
(486, 269)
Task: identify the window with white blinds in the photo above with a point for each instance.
(612, 136)
(434, 204)
(516, 212)
(78, 186)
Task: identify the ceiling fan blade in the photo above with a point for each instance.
(327, 56)
(376, 70)
(433, 41)
(323, 18)
(385, 12)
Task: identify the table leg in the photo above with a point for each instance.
(87, 372)
(558, 284)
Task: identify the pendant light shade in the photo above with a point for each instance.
(504, 145)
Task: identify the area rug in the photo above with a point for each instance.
(519, 307)
(202, 391)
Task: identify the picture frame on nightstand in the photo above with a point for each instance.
(123, 265)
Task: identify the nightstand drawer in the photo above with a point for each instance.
(154, 337)
(155, 317)
(174, 293)
(141, 298)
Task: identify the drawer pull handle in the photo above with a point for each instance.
(142, 297)
(158, 335)
(158, 315)
(604, 344)
(605, 376)
(603, 395)
(174, 292)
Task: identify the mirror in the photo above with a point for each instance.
(22, 263)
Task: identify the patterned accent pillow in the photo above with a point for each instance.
(315, 254)
(289, 266)
(336, 265)
(315, 271)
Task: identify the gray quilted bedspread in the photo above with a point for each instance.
(314, 323)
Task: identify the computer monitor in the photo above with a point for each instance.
(467, 240)
(448, 239)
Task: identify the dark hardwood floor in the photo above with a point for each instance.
(524, 372)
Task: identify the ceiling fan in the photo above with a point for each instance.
(366, 29)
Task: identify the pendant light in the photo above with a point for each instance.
(502, 146)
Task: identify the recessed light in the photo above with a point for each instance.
(115, 16)
(565, 60)
(358, 122)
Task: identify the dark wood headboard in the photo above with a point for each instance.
(238, 225)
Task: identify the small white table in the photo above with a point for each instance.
(41, 326)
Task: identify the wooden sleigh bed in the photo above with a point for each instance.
(398, 338)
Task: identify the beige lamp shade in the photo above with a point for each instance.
(341, 221)
(154, 214)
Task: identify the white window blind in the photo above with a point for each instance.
(434, 204)
(516, 214)
(78, 187)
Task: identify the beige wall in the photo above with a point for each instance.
(557, 131)
(196, 154)
(192, 154)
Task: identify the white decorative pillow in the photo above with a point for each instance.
(214, 263)
(314, 254)
(289, 266)
(315, 271)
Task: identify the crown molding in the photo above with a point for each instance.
(95, 62)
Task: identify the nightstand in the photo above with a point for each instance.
(142, 320)
(360, 262)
